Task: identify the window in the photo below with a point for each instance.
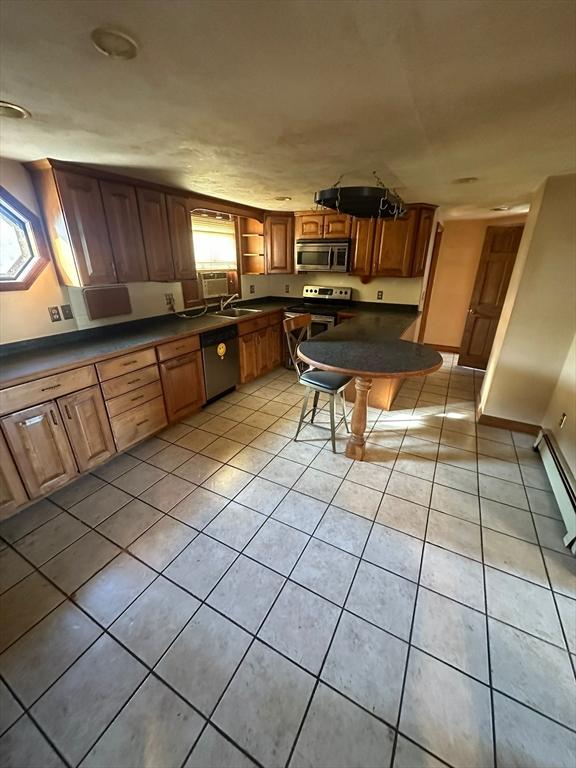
(23, 249)
(214, 241)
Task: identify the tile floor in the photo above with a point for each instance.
(222, 596)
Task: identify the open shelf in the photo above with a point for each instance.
(251, 237)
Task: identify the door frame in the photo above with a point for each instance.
(439, 231)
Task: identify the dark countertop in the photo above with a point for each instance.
(370, 344)
(28, 360)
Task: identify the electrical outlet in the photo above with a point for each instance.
(54, 314)
(66, 311)
(252, 289)
(286, 288)
(170, 303)
(379, 295)
(562, 420)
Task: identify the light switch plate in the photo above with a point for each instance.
(66, 311)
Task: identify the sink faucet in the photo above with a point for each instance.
(229, 300)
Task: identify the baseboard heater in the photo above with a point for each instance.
(562, 482)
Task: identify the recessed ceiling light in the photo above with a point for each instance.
(113, 43)
(13, 111)
(283, 198)
(465, 180)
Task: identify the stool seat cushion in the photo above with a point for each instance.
(325, 380)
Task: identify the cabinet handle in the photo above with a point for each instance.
(133, 381)
(54, 386)
(140, 423)
(67, 411)
(54, 419)
(130, 362)
(138, 397)
(32, 420)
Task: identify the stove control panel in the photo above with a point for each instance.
(326, 292)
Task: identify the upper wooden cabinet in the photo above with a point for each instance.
(155, 229)
(77, 227)
(392, 247)
(180, 226)
(317, 226)
(279, 243)
(123, 220)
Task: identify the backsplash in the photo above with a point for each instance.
(394, 290)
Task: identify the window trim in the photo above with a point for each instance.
(42, 250)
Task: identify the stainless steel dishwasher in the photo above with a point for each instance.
(221, 361)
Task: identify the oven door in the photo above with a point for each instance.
(313, 257)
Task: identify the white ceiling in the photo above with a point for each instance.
(249, 99)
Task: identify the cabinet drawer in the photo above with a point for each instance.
(41, 390)
(109, 369)
(179, 347)
(122, 384)
(138, 396)
(137, 423)
(255, 324)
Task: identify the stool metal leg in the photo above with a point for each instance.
(303, 412)
(332, 419)
(343, 403)
(314, 406)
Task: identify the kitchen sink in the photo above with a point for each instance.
(234, 312)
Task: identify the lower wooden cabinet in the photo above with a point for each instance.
(40, 447)
(12, 491)
(274, 345)
(138, 423)
(247, 353)
(260, 352)
(87, 425)
(183, 384)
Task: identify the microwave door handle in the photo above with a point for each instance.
(330, 257)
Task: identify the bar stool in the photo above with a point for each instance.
(297, 329)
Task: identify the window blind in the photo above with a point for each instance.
(214, 243)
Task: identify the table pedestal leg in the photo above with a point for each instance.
(355, 445)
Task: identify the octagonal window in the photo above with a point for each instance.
(23, 250)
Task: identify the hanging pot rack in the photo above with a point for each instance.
(377, 202)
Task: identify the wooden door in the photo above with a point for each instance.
(422, 240)
(247, 349)
(154, 220)
(394, 246)
(12, 492)
(337, 225)
(84, 214)
(279, 244)
(490, 287)
(40, 448)
(88, 428)
(364, 231)
(274, 345)
(180, 225)
(123, 220)
(310, 225)
(183, 384)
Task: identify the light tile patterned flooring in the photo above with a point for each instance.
(222, 596)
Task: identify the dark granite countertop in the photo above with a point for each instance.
(370, 343)
(28, 360)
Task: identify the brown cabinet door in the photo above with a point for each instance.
(247, 347)
(123, 222)
(183, 384)
(310, 225)
(84, 213)
(364, 231)
(180, 225)
(87, 425)
(422, 239)
(279, 244)
(39, 445)
(154, 220)
(261, 353)
(12, 493)
(274, 345)
(337, 225)
(394, 246)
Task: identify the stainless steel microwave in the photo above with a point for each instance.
(322, 255)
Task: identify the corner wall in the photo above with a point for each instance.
(563, 400)
(538, 320)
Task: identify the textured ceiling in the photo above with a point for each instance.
(253, 99)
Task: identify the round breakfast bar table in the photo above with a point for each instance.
(361, 348)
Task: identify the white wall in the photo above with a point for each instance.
(538, 320)
(563, 400)
(395, 290)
